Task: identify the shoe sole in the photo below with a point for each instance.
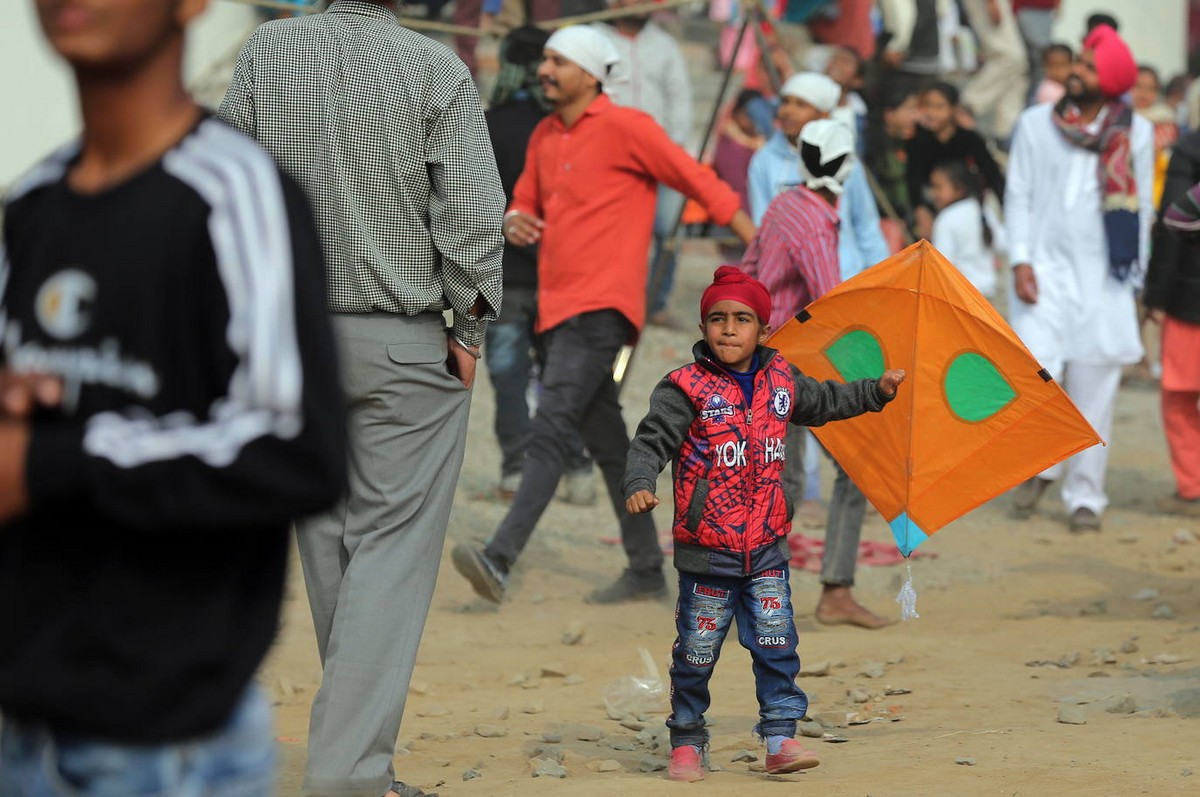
(685, 777)
(638, 596)
(794, 765)
(467, 563)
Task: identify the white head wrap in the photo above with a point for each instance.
(832, 140)
(587, 47)
(819, 91)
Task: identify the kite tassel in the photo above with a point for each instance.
(908, 598)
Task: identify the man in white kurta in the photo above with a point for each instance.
(1078, 319)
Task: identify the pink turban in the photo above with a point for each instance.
(1114, 62)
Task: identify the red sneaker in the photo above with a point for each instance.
(791, 757)
(686, 765)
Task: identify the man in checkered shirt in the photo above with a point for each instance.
(384, 130)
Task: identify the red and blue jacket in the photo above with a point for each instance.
(731, 514)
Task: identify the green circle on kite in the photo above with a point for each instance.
(856, 355)
(975, 389)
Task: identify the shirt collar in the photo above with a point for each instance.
(596, 107)
(362, 8)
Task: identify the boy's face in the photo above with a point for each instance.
(795, 113)
(901, 122)
(114, 35)
(1145, 91)
(732, 332)
(843, 69)
(943, 192)
(1057, 66)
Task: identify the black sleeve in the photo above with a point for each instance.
(658, 437)
(267, 452)
(918, 168)
(1166, 247)
(818, 403)
(992, 178)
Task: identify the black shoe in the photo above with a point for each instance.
(487, 578)
(632, 586)
(1026, 496)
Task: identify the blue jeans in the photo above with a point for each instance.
(762, 605)
(508, 353)
(236, 761)
(666, 212)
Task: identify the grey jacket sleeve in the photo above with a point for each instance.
(658, 437)
(817, 403)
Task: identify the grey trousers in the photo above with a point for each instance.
(371, 563)
(847, 508)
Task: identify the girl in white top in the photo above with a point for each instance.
(965, 231)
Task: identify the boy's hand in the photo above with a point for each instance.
(890, 381)
(641, 501)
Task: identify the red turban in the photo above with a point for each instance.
(730, 282)
(1114, 62)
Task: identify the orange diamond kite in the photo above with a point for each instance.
(977, 414)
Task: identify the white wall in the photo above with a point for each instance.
(37, 100)
(1156, 30)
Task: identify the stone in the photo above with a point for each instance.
(490, 731)
(553, 669)
(547, 768)
(872, 670)
(1185, 537)
(831, 719)
(1069, 659)
(1186, 772)
(551, 737)
(896, 690)
(418, 688)
(1147, 594)
(550, 751)
(1094, 609)
(623, 745)
(433, 711)
(532, 683)
(573, 680)
(518, 679)
(645, 738)
(895, 658)
(1123, 704)
(609, 765)
(652, 764)
(499, 713)
(744, 755)
(1072, 715)
(1102, 657)
(1167, 658)
(818, 670)
(428, 736)
(573, 634)
(533, 707)
(1129, 646)
(812, 730)
(471, 774)
(440, 762)
(586, 733)
(966, 762)
(858, 696)
(1163, 611)
(633, 725)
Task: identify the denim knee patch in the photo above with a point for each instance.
(706, 619)
(774, 626)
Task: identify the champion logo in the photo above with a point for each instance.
(781, 403)
(715, 408)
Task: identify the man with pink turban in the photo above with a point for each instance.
(1078, 206)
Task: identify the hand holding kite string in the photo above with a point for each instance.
(641, 501)
(891, 380)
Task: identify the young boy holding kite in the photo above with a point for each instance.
(722, 421)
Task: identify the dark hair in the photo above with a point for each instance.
(896, 97)
(1059, 47)
(967, 180)
(945, 89)
(524, 45)
(744, 98)
(860, 63)
(1177, 84)
(1096, 20)
(811, 155)
(1146, 69)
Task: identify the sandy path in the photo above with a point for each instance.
(998, 595)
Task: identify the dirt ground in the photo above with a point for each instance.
(1019, 621)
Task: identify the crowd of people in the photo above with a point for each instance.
(544, 228)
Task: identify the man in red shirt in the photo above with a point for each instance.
(587, 198)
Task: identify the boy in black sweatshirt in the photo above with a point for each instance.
(168, 402)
